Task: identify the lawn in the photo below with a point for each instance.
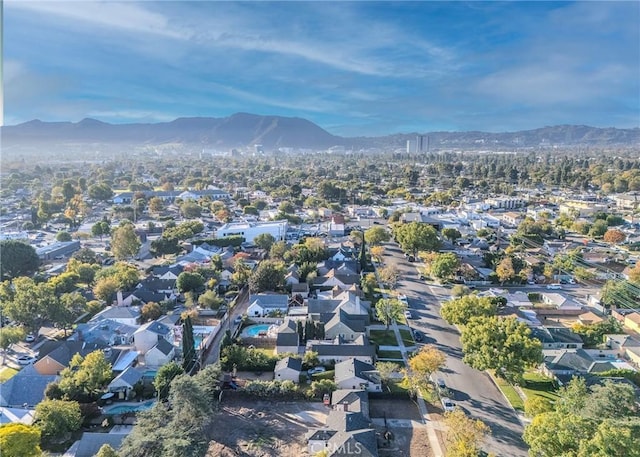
(383, 337)
(539, 385)
(390, 355)
(407, 338)
(7, 373)
(510, 392)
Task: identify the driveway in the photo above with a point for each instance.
(472, 390)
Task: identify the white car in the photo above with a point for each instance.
(554, 286)
(408, 315)
(30, 338)
(448, 404)
(403, 298)
(316, 370)
(25, 360)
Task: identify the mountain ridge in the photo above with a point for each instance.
(241, 130)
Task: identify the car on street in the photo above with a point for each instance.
(448, 404)
(417, 336)
(554, 286)
(316, 370)
(408, 315)
(25, 360)
(30, 338)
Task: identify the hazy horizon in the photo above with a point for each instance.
(353, 68)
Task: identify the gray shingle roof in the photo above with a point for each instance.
(25, 387)
(289, 362)
(345, 444)
(164, 346)
(346, 421)
(353, 367)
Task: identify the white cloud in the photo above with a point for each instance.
(125, 16)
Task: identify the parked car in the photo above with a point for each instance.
(30, 338)
(316, 370)
(417, 336)
(25, 360)
(403, 298)
(554, 286)
(448, 404)
(408, 314)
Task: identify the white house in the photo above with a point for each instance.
(149, 334)
(250, 230)
(261, 305)
(127, 315)
(355, 374)
(160, 354)
(288, 369)
(124, 383)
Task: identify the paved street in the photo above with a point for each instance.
(472, 390)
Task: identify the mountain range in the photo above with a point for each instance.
(242, 130)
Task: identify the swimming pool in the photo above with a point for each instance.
(128, 408)
(257, 330)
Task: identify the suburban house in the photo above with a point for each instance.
(289, 369)
(559, 301)
(128, 315)
(90, 443)
(626, 346)
(355, 374)
(563, 364)
(557, 338)
(171, 272)
(106, 332)
(261, 305)
(160, 354)
(287, 338)
(148, 335)
(55, 356)
(123, 384)
(301, 289)
(340, 349)
(342, 324)
(337, 278)
(348, 428)
(25, 389)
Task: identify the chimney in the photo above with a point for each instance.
(119, 295)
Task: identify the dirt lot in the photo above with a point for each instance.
(277, 429)
(264, 429)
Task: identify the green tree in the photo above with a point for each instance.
(19, 440)
(188, 346)
(190, 210)
(85, 377)
(445, 265)
(156, 205)
(189, 282)
(368, 283)
(613, 438)
(100, 229)
(100, 191)
(451, 234)
(17, 259)
(556, 434)
(166, 373)
(387, 370)
(415, 236)
(67, 309)
(535, 405)
(26, 301)
(504, 345)
(610, 400)
(105, 289)
(598, 229)
(376, 235)
(57, 418)
(8, 336)
(269, 275)
(461, 310)
(106, 451)
(124, 241)
(63, 236)
(210, 300)
(389, 310)
(264, 241)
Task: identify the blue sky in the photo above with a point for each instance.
(361, 68)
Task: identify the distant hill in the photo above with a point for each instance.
(245, 130)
